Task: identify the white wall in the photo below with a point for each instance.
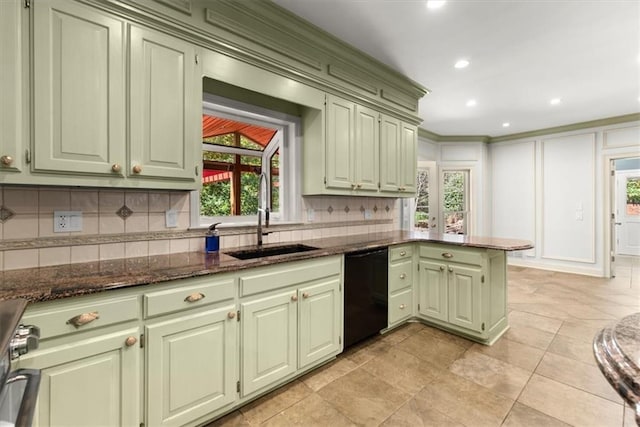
(553, 190)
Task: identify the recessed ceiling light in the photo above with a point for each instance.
(471, 103)
(462, 63)
(555, 101)
(506, 124)
(435, 4)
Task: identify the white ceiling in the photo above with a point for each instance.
(523, 53)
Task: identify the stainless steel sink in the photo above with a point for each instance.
(270, 251)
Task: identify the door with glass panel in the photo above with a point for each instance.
(627, 213)
(425, 206)
(454, 185)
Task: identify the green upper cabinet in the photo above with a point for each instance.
(78, 89)
(12, 79)
(352, 142)
(366, 153)
(165, 97)
(398, 147)
(340, 136)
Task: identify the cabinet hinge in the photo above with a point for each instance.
(339, 340)
(27, 156)
(418, 307)
(27, 4)
(482, 279)
(197, 59)
(613, 173)
(196, 170)
(418, 267)
(141, 424)
(483, 326)
(613, 258)
(379, 186)
(238, 386)
(141, 340)
(238, 315)
(325, 180)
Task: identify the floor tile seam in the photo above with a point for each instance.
(337, 409)
(284, 409)
(578, 388)
(536, 314)
(411, 397)
(575, 388)
(536, 410)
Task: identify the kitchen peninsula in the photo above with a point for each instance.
(133, 329)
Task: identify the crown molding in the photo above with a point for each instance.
(424, 133)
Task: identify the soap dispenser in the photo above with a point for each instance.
(212, 239)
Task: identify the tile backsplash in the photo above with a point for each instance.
(131, 223)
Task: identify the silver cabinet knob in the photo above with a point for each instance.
(137, 169)
(402, 306)
(442, 268)
(403, 276)
(231, 315)
(450, 269)
(130, 341)
(403, 253)
(116, 168)
(6, 160)
(305, 295)
(294, 298)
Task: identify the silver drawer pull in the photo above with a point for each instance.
(402, 306)
(447, 255)
(83, 319)
(403, 276)
(194, 297)
(403, 253)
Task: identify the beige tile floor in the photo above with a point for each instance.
(540, 373)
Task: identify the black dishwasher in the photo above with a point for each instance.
(365, 294)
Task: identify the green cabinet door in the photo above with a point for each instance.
(91, 382)
(432, 290)
(12, 80)
(340, 133)
(319, 322)
(78, 89)
(366, 149)
(408, 169)
(269, 340)
(165, 107)
(465, 304)
(191, 366)
(390, 154)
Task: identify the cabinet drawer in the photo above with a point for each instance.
(401, 252)
(58, 318)
(452, 253)
(288, 274)
(400, 306)
(190, 293)
(400, 275)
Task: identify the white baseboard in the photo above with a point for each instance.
(541, 265)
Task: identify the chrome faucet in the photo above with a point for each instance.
(263, 178)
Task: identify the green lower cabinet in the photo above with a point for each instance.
(319, 321)
(269, 339)
(94, 382)
(433, 290)
(191, 365)
(465, 304)
(451, 293)
(463, 290)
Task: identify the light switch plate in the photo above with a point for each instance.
(67, 221)
(367, 214)
(311, 214)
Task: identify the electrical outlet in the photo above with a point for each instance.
(367, 214)
(67, 221)
(311, 215)
(171, 218)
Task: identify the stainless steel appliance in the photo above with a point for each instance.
(365, 294)
(18, 388)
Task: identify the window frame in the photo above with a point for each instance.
(466, 228)
(289, 140)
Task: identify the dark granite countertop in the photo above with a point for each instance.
(617, 351)
(50, 283)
